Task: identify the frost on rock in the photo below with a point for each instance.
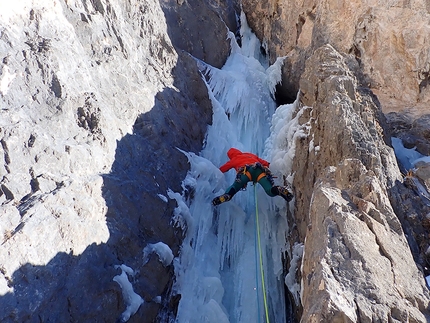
(162, 197)
(163, 251)
(181, 215)
(285, 130)
(6, 79)
(290, 279)
(131, 299)
(274, 73)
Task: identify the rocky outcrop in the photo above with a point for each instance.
(357, 264)
(383, 51)
(96, 97)
(412, 201)
(389, 39)
(412, 130)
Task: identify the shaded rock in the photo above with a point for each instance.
(423, 173)
(96, 97)
(412, 129)
(203, 36)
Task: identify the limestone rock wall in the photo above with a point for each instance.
(357, 264)
(95, 97)
(390, 39)
(375, 62)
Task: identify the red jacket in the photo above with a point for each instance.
(239, 159)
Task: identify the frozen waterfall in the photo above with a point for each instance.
(217, 273)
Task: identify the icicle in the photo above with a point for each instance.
(215, 273)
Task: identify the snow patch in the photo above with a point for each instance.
(311, 144)
(162, 197)
(181, 214)
(6, 79)
(165, 254)
(131, 299)
(285, 130)
(274, 74)
(407, 157)
(302, 283)
(424, 159)
(290, 279)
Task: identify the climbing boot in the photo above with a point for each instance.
(221, 199)
(285, 193)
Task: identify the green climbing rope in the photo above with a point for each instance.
(263, 287)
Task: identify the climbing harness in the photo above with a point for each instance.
(245, 171)
(260, 257)
(260, 177)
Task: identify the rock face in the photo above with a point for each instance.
(357, 264)
(383, 50)
(95, 98)
(390, 39)
(413, 131)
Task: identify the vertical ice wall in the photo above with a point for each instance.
(217, 272)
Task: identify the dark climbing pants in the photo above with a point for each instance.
(242, 180)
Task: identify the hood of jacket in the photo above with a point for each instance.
(232, 152)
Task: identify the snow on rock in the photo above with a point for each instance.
(163, 251)
(131, 299)
(181, 215)
(291, 278)
(423, 159)
(162, 197)
(407, 157)
(6, 79)
(285, 131)
(415, 164)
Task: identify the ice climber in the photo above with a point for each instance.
(249, 167)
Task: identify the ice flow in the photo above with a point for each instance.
(217, 272)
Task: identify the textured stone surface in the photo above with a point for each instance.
(357, 265)
(413, 130)
(95, 98)
(423, 173)
(390, 39)
(97, 95)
